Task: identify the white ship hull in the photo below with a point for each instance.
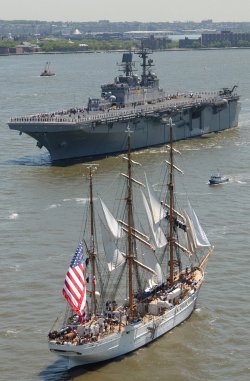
(134, 336)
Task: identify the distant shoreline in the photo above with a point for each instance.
(118, 51)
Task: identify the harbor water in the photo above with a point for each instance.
(41, 214)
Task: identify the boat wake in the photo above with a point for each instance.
(11, 333)
(81, 200)
(53, 206)
(58, 205)
(30, 161)
(241, 182)
(15, 268)
(239, 179)
(13, 216)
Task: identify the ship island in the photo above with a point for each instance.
(98, 129)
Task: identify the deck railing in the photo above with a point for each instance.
(66, 117)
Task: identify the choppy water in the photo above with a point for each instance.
(41, 213)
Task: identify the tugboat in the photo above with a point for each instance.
(98, 129)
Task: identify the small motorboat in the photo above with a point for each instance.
(217, 179)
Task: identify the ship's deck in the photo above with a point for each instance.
(80, 115)
(187, 283)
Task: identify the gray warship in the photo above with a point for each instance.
(98, 130)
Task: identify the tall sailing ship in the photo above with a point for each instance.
(98, 128)
(140, 278)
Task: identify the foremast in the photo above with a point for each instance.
(171, 209)
(130, 256)
(173, 214)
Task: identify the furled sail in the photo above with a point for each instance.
(159, 237)
(157, 210)
(200, 237)
(114, 256)
(112, 223)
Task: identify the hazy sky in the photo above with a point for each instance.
(125, 10)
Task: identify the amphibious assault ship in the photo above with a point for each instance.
(99, 128)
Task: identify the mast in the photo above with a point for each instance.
(127, 64)
(144, 57)
(171, 209)
(92, 255)
(144, 53)
(130, 256)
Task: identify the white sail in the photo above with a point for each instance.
(150, 260)
(159, 237)
(112, 223)
(157, 210)
(158, 277)
(191, 239)
(199, 234)
(114, 256)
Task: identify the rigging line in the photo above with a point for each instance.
(138, 278)
(132, 161)
(134, 235)
(177, 201)
(83, 227)
(175, 167)
(186, 171)
(134, 230)
(108, 187)
(121, 210)
(162, 183)
(144, 266)
(117, 205)
(103, 274)
(135, 181)
(119, 279)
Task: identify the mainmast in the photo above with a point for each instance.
(130, 256)
(92, 254)
(171, 209)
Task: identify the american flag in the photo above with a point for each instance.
(74, 289)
